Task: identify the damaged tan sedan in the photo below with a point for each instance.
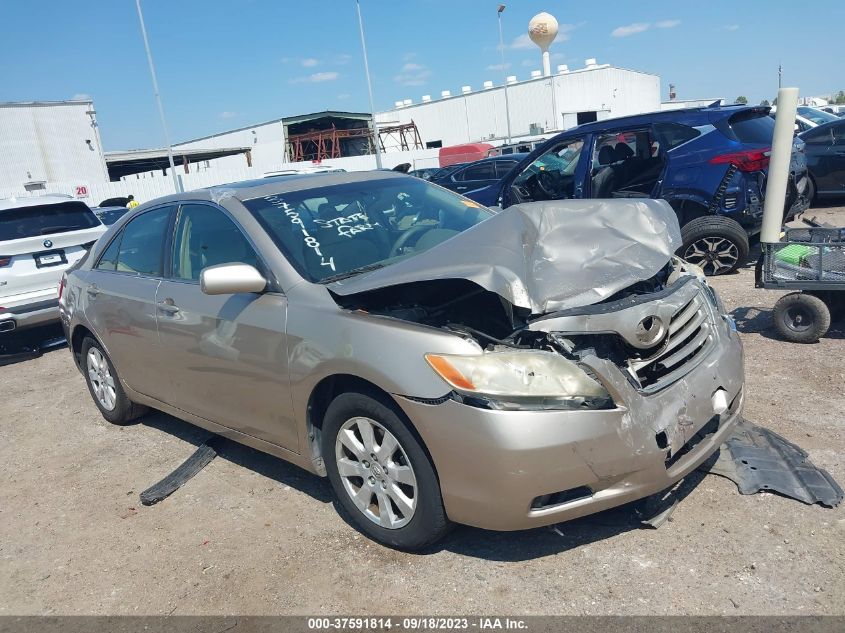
(438, 362)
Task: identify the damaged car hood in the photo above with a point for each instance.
(546, 256)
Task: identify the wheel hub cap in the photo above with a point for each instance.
(375, 472)
(715, 255)
(102, 382)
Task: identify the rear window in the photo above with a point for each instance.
(46, 219)
(749, 126)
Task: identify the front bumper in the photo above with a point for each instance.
(493, 465)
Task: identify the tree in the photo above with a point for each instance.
(765, 102)
(840, 97)
(741, 99)
(775, 101)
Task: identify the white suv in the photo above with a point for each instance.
(40, 237)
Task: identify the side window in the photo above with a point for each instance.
(838, 133)
(483, 171)
(626, 164)
(552, 174)
(108, 260)
(205, 236)
(818, 137)
(142, 243)
(503, 167)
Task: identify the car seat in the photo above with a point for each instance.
(605, 177)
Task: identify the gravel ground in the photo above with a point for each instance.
(253, 535)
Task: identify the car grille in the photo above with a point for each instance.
(690, 337)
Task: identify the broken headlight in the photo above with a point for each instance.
(521, 379)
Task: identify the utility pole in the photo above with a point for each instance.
(176, 181)
(505, 71)
(780, 75)
(369, 86)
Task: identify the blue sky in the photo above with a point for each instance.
(231, 63)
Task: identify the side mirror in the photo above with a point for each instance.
(229, 279)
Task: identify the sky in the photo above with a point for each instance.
(224, 64)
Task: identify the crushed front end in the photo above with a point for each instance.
(669, 358)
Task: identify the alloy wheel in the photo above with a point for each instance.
(376, 473)
(102, 382)
(715, 255)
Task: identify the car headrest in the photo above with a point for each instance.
(622, 151)
(606, 155)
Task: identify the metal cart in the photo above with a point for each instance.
(810, 261)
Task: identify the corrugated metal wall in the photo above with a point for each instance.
(480, 115)
(48, 142)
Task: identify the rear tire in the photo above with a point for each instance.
(388, 488)
(717, 244)
(811, 190)
(104, 385)
(801, 318)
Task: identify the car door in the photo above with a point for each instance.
(226, 355)
(822, 161)
(473, 176)
(119, 298)
(555, 171)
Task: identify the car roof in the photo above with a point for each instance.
(662, 115)
(35, 201)
(515, 156)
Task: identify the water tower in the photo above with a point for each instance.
(542, 29)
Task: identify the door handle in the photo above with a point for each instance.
(167, 306)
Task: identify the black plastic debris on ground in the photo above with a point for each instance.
(189, 468)
(16, 347)
(756, 459)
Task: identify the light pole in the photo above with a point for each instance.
(504, 71)
(369, 86)
(177, 183)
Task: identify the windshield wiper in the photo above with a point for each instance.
(352, 273)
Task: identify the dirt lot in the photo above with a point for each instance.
(253, 535)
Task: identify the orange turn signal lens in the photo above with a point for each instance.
(449, 373)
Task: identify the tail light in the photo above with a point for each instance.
(5, 260)
(62, 287)
(746, 160)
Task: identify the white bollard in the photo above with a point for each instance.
(779, 165)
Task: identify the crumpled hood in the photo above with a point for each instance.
(546, 256)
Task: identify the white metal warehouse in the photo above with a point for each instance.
(49, 141)
(539, 104)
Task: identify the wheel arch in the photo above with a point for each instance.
(79, 333)
(689, 209)
(329, 388)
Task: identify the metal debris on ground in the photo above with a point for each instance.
(189, 468)
(756, 459)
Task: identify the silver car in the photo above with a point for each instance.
(437, 362)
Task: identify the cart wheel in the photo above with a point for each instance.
(801, 318)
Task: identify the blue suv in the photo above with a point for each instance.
(709, 163)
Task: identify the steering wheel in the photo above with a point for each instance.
(545, 181)
(407, 235)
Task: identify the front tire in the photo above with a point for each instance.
(383, 479)
(801, 318)
(104, 385)
(717, 244)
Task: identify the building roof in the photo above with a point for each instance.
(285, 121)
(123, 163)
(41, 104)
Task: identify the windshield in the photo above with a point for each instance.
(817, 116)
(45, 219)
(331, 232)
